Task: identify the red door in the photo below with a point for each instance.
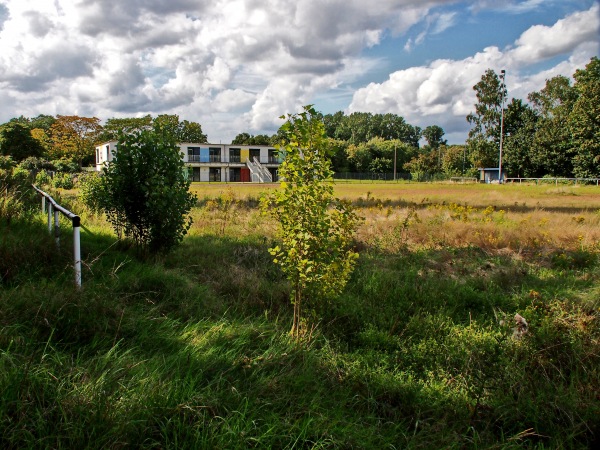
(245, 175)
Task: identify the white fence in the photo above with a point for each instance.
(53, 208)
(555, 181)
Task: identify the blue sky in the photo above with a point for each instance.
(237, 65)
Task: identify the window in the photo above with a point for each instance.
(214, 174)
(235, 174)
(193, 154)
(273, 156)
(214, 154)
(234, 155)
(255, 153)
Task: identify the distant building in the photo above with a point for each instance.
(490, 175)
(216, 162)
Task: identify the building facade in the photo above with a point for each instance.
(216, 162)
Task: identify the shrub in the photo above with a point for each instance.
(43, 178)
(92, 192)
(65, 165)
(63, 180)
(35, 165)
(145, 191)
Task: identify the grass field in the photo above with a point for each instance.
(191, 350)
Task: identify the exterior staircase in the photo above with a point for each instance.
(258, 173)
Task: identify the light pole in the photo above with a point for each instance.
(502, 88)
(395, 145)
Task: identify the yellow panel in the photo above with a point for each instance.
(244, 154)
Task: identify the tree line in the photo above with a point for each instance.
(64, 140)
(556, 132)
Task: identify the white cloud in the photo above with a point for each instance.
(237, 65)
(441, 92)
(541, 42)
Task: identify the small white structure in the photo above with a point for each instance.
(490, 175)
(216, 162)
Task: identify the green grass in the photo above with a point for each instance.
(192, 350)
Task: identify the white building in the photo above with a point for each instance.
(216, 162)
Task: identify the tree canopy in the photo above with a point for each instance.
(16, 141)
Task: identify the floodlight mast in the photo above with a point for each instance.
(502, 88)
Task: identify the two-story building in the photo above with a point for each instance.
(216, 162)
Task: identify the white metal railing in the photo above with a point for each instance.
(554, 180)
(258, 171)
(53, 209)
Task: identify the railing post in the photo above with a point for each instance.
(49, 218)
(43, 204)
(56, 228)
(77, 250)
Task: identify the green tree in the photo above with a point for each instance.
(242, 139)
(433, 135)
(425, 163)
(16, 141)
(114, 126)
(42, 121)
(315, 228)
(553, 148)
(249, 139)
(454, 161)
(483, 143)
(185, 131)
(145, 191)
(585, 121)
(520, 122)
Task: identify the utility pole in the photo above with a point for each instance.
(503, 88)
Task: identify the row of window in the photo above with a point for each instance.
(213, 154)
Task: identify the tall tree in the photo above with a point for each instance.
(484, 137)
(114, 126)
(520, 124)
(242, 139)
(16, 141)
(74, 137)
(249, 139)
(433, 135)
(553, 149)
(585, 121)
(191, 132)
(185, 131)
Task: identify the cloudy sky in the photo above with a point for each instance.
(237, 65)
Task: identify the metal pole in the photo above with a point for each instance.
(56, 228)
(502, 77)
(395, 145)
(49, 218)
(77, 250)
(43, 204)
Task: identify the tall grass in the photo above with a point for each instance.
(191, 350)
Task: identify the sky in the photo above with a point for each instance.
(238, 65)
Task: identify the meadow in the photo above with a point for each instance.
(191, 350)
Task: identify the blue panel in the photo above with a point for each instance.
(204, 155)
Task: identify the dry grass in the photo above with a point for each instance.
(518, 219)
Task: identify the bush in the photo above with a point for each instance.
(6, 162)
(145, 190)
(65, 165)
(63, 180)
(43, 178)
(91, 191)
(35, 165)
